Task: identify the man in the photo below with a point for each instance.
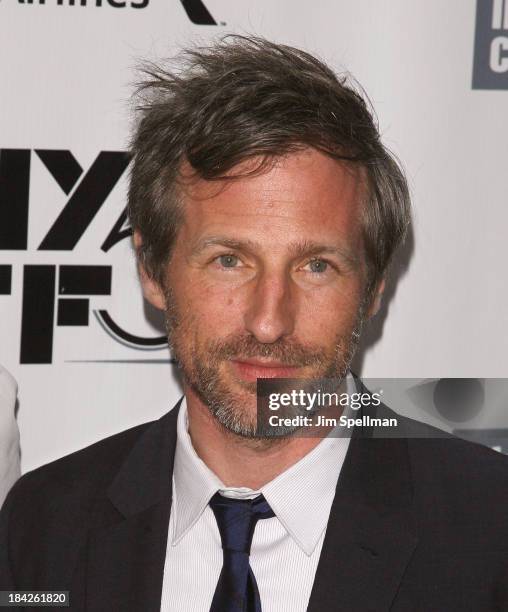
(265, 213)
(9, 434)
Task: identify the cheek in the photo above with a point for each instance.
(324, 315)
(214, 310)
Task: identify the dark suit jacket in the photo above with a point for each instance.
(416, 525)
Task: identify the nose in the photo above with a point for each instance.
(270, 314)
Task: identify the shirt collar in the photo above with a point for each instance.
(194, 483)
(293, 496)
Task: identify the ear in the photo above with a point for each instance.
(151, 289)
(375, 302)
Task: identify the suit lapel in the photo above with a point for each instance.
(127, 543)
(371, 533)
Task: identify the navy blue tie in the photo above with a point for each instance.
(237, 590)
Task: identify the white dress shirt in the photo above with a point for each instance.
(285, 548)
(9, 434)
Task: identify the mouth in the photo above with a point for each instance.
(251, 369)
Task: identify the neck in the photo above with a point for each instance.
(239, 461)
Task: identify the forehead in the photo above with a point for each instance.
(305, 196)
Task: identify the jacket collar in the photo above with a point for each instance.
(371, 533)
(127, 545)
(145, 477)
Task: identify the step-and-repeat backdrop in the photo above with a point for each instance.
(74, 331)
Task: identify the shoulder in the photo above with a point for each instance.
(433, 447)
(52, 508)
(92, 463)
(75, 476)
(47, 509)
(437, 452)
(459, 486)
(465, 471)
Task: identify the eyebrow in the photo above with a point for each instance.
(303, 248)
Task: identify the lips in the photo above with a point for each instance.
(251, 369)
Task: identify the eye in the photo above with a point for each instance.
(318, 266)
(228, 260)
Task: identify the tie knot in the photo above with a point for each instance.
(237, 518)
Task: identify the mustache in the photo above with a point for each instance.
(287, 352)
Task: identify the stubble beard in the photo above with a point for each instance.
(200, 368)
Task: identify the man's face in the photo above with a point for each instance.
(266, 279)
